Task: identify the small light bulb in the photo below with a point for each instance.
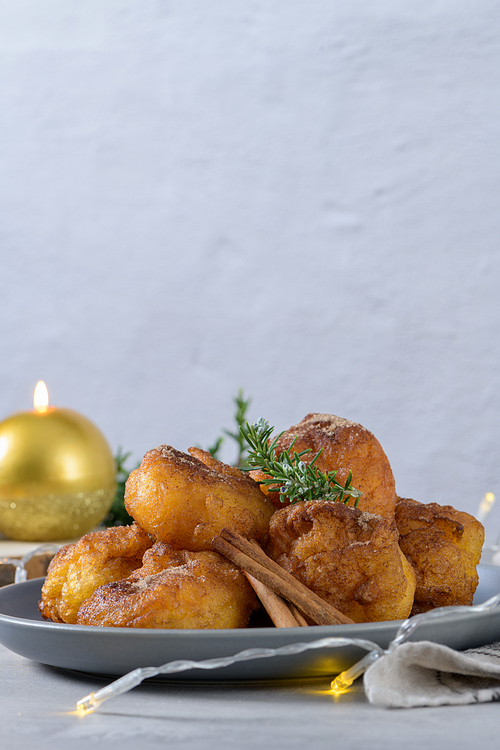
(87, 705)
(485, 506)
(340, 684)
(344, 680)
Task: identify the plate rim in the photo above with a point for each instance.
(162, 632)
(159, 632)
(109, 650)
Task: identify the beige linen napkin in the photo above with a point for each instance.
(427, 674)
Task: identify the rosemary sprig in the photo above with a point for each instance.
(288, 474)
(241, 403)
(214, 449)
(117, 515)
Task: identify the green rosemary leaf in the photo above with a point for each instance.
(287, 474)
(242, 404)
(214, 449)
(117, 515)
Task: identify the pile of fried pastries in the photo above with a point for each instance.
(384, 560)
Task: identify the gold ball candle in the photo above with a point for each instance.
(57, 473)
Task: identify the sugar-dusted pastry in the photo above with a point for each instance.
(345, 446)
(174, 589)
(185, 501)
(348, 557)
(444, 546)
(78, 569)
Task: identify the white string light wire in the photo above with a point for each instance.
(92, 701)
(132, 679)
(21, 573)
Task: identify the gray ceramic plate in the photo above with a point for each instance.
(116, 651)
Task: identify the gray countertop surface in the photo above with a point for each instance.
(37, 711)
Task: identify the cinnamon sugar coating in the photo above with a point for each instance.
(349, 558)
(444, 546)
(185, 501)
(345, 446)
(78, 569)
(174, 589)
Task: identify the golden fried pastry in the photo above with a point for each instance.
(444, 546)
(182, 501)
(78, 569)
(174, 589)
(345, 446)
(213, 463)
(349, 558)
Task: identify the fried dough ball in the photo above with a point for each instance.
(345, 446)
(444, 546)
(349, 558)
(78, 569)
(174, 589)
(185, 502)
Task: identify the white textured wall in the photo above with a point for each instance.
(298, 198)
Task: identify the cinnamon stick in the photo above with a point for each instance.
(275, 606)
(252, 559)
(301, 620)
(296, 613)
(253, 550)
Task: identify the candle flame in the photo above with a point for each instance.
(41, 397)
